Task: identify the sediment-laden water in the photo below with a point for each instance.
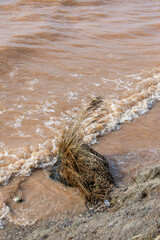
(55, 56)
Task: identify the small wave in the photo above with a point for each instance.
(113, 113)
(108, 117)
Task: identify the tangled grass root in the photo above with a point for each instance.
(79, 165)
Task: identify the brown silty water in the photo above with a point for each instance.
(55, 56)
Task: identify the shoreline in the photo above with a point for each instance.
(135, 215)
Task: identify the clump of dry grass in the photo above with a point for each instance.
(79, 165)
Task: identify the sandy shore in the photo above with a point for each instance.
(134, 214)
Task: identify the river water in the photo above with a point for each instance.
(57, 55)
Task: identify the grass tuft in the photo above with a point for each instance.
(79, 165)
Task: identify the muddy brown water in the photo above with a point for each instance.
(55, 56)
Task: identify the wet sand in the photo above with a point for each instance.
(135, 215)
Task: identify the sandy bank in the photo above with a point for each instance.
(135, 214)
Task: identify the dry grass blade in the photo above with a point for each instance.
(79, 165)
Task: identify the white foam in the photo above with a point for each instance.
(22, 98)
(18, 122)
(21, 134)
(73, 95)
(108, 117)
(39, 131)
(1, 112)
(51, 122)
(47, 107)
(11, 75)
(74, 75)
(135, 76)
(34, 81)
(96, 84)
(4, 211)
(120, 111)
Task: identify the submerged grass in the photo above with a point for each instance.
(79, 165)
